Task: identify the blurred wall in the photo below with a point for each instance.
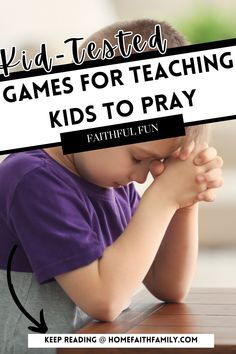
(217, 220)
(168, 9)
(29, 23)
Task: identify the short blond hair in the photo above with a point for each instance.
(143, 27)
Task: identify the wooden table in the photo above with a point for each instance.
(206, 310)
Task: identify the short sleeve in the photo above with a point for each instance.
(53, 224)
(134, 198)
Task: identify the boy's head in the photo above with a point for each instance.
(117, 166)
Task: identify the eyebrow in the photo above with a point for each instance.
(149, 154)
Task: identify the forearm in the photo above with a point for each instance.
(175, 262)
(126, 262)
(103, 288)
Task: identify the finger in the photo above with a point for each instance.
(205, 156)
(156, 168)
(205, 145)
(208, 196)
(201, 147)
(217, 162)
(186, 150)
(176, 153)
(210, 176)
(216, 184)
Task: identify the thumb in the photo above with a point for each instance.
(156, 168)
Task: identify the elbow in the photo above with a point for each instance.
(177, 299)
(176, 296)
(113, 309)
(106, 311)
(109, 313)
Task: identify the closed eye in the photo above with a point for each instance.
(136, 160)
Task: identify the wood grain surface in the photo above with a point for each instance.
(206, 310)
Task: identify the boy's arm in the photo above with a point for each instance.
(103, 288)
(175, 261)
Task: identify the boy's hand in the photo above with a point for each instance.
(184, 151)
(193, 179)
(156, 168)
(212, 177)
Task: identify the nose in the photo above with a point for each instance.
(140, 175)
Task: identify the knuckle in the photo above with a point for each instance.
(213, 150)
(202, 155)
(219, 161)
(211, 198)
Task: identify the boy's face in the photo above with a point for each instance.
(118, 166)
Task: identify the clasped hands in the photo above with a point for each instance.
(210, 180)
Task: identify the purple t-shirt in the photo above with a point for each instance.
(59, 221)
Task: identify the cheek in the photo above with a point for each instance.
(85, 167)
(97, 172)
(115, 171)
(103, 169)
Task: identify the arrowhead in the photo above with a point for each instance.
(41, 326)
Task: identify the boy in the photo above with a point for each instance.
(77, 219)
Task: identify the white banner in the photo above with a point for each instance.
(34, 111)
(121, 340)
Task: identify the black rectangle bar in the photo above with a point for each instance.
(123, 134)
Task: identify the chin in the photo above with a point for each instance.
(117, 185)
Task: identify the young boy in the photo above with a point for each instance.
(84, 238)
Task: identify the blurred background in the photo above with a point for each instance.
(27, 24)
